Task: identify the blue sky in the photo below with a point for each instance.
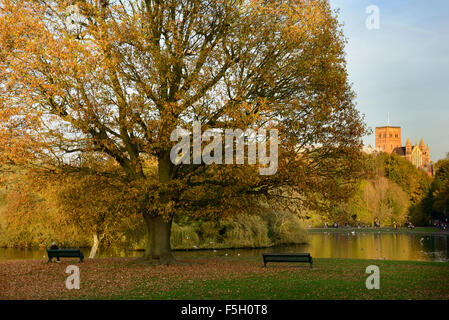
(402, 68)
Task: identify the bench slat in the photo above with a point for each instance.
(287, 257)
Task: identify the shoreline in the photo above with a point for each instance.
(382, 230)
(341, 230)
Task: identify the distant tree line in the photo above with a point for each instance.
(393, 190)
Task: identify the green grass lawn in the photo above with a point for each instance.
(225, 278)
(331, 279)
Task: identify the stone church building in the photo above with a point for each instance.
(388, 139)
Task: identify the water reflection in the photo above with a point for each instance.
(380, 246)
(323, 245)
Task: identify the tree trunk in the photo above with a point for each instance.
(158, 249)
(158, 244)
(93, 250)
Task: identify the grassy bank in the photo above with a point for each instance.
(417, 230)
(224, 278)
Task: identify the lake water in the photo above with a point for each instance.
(413, 247)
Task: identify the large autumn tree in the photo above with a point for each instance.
(114, 81)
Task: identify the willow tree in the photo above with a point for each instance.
(114, 78)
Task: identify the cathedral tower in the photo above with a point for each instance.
(388, 138)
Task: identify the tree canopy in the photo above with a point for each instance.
(116, 86)
(439, 193)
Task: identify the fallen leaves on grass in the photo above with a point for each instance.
(34, 279)
(215, 278)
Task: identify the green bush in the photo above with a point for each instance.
(244, 231)
(209, 232)
(183, 237)
(286, 228)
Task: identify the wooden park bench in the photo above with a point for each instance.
(287, 257)
(64, 253)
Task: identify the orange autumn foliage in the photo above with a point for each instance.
(117, 85)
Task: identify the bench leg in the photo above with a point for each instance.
(311, 263)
